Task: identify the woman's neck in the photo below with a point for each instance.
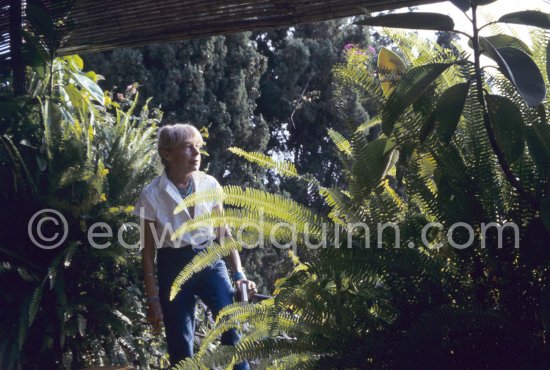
(180, 179)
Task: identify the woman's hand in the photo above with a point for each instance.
(252, 290)
(154, 316)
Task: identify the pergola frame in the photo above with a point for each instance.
(86, 26)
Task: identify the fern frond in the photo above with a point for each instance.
(283, 168)
(370, 123)
(272, 205)
(202, 260)
(341, 143)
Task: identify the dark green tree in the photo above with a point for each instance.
(298, 97)
(212, 82)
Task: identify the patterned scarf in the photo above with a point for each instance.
(187, 191)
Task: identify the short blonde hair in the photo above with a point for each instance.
(170, 136)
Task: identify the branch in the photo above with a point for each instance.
(299, 100)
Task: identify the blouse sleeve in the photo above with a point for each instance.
(144, 207)
(219, 200)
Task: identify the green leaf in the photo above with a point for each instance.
(538, 142)
(89, 85)
(417, 21)
(389, 64)
(35, 303)
(508, 125)
(75, 62)
(545, 217)
(548, 60)
(526, 75)
(463, 5)
(501, 41)
(427, 127)
(449, 109)
(520, 69)
(528, 18)
(409, 88)
(372, 165)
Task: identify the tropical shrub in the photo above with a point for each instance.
(71, 148)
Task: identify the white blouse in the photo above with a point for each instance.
(157, 202)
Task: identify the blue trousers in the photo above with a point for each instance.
(213, 287)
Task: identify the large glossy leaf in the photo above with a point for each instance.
(417, 21)
(507, 123)
(373, 163)
(538, 142)
(427, 127)
(389, 65)
(520, 69)
(528, 18)
(89, 85)
(461, 4)
(526, 75)
(409, 88)
(464, 5)
(449, 109)
(501, 41)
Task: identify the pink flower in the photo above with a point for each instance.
(348, 46)
(371, 50)
(131, 89)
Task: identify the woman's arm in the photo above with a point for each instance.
(154, 311)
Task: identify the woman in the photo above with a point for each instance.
(179, 149)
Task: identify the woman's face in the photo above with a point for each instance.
(185, 157)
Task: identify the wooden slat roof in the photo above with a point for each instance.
(104, 25)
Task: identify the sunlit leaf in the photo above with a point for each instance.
(87, 84)
(75, 62)
(389, 64)
(417, 21)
